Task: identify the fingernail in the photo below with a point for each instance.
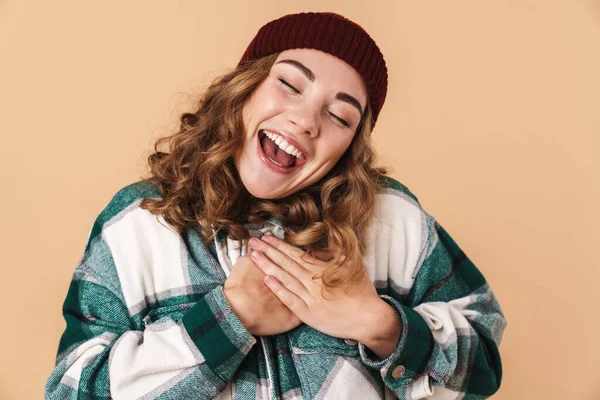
(255, 255)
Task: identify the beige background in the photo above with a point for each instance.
(491, 119)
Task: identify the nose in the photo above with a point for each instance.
(306, 120)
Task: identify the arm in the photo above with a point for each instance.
(104, 354)
(450, 326)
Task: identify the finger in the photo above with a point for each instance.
(308, 261)
(289, 299)
(282, 255)
(292, 251)
(285, 278)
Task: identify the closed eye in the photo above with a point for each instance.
(343, 121)
(288, 85)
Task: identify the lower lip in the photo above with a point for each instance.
(269, 163)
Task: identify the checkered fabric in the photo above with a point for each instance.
(146, 317)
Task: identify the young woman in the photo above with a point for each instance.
(347, 289)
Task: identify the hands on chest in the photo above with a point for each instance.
(292, 296)
(256, 306)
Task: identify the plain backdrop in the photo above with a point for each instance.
(492, 120)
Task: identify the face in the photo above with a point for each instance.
(311, 102)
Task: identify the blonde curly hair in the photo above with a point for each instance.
(202, 190)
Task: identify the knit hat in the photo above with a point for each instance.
(331, 33)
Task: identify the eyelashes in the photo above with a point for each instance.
(341, 120)
(288, 85)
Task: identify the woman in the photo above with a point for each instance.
(348, 288)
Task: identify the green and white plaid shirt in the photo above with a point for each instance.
(146, 317)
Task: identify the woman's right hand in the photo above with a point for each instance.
(259, 310)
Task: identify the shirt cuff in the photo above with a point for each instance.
(409, 359)
(218, 333)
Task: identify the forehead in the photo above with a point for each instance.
(328, 70)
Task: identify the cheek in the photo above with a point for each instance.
(335, 150)
(271, 99)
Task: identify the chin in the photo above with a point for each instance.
(259, 191)
(261, 194)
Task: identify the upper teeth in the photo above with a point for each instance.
(283, 145)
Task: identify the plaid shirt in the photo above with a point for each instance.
(146, 317)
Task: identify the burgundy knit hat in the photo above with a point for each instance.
(331, 33)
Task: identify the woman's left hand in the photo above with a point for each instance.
(341, 314)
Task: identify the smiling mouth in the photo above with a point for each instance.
(283, 161)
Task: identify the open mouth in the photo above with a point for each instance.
(275, 157)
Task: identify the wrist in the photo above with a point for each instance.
(233, 300)
(382, 332)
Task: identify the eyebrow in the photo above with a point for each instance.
(343, 96)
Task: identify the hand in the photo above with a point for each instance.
(343, 314)
(259, 310)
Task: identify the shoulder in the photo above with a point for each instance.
(130, 194)
(395, 188)
(127, 198)
(398, 235)
(400, 216)
(124, 201)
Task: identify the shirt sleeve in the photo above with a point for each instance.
(103, 353)
(451, 328)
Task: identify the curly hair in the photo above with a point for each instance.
(203, 191)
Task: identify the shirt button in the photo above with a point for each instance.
(351, 342)
(398, 371)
